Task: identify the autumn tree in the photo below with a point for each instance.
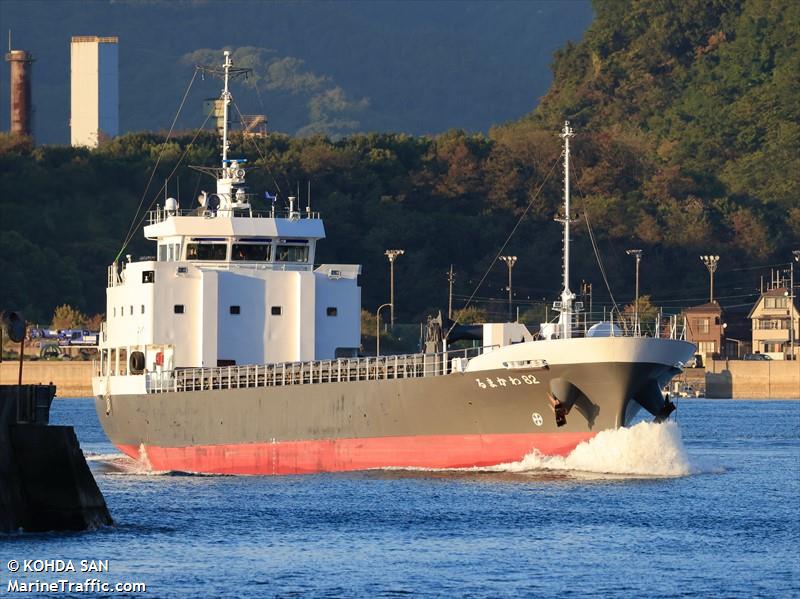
(67, 317)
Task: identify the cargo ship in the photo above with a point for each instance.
(231, 352)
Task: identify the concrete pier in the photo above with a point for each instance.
(45, 483)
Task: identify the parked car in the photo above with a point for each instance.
(756, 357)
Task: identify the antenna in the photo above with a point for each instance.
(309, 196)
(226, 72)
(9, 39)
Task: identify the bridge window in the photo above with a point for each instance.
(253, 252)
(292, 253)
(206, 251)
(162, 253)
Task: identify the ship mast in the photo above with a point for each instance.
(567, 297)
(226, 100)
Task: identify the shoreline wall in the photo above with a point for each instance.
(737, 379)
(743, 379)
(72, 379)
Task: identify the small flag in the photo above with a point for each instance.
(270, 197)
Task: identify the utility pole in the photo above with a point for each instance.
(638, 255)
(711, 265)
(450, 278)
(378, 329)
(510, 262)
(392, 255)
(586, 299)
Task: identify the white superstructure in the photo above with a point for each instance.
(94, 95)
(228, 286)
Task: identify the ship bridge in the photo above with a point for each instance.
(266, 238)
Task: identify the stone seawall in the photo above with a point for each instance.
(72, 379)
(740, 379)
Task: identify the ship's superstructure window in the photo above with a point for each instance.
(292, 253)
(276, 310)
(131, 312)
(142, 308)
(253, 252)
(178, 308)
(236, 310)
(206, 251)
(331, 311)
(162, 253)
(115, 311)
(148, 276)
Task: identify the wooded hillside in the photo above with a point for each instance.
(686, 117)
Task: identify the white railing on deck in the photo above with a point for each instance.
(341, 370)
(662, 326)
(160, 214)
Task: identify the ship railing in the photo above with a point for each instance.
(339, 370)
(662, 326)
(160, 214)
(114, 276)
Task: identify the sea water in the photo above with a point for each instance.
(707, 505)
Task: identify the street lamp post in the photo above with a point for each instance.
(638, 255)
(451, 277)
(378, 328)
(711, 265)
(796, 256)
(392, 255)
(510, 262)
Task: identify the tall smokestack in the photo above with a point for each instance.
(20, 91)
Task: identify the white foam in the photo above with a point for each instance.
(119, 463)
(645, 449)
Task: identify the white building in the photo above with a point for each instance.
(95, 90)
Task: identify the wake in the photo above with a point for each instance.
(645, 449)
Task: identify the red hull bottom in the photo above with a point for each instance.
(337, 455)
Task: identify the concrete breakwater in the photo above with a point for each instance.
(45, 483)
(72, 379)
(740, 379)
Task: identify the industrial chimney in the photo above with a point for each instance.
(20, 91)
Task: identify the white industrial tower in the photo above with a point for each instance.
(95, 90)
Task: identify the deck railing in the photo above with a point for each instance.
(341, 370)
(663, 326)
(160, 214)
